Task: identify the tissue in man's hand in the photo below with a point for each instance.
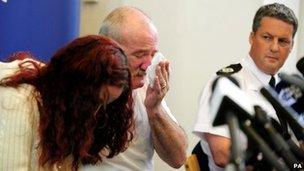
(158, 57)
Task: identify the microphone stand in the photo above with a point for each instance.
(236, 157)
(285, 113)
(272, 158)
(277, 140)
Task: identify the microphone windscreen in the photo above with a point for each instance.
(232, 79)
(290, 95)
(300, 65)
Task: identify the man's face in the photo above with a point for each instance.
(140, 49)
(271, 44)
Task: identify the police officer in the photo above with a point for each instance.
(273, 30)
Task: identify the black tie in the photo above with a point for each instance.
(272, 82)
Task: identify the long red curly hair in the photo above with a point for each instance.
(73, 119)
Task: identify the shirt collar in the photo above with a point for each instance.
(260, 75)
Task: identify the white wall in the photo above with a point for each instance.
(198, 37)
(301, 31)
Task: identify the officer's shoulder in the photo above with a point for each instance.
(229, 70)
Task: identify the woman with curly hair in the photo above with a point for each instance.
(69, 112)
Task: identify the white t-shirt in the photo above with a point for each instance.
(139, 154)
(251, 79)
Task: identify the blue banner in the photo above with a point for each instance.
(37, 26)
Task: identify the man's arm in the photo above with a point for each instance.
(169, 139)
(219, 147)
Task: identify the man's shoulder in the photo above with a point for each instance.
(229, 70)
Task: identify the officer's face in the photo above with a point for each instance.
(271, 44)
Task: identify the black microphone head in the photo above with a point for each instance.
(232, 79)
(260, 114)
(300, 65)
(291, 95)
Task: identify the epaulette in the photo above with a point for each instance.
(231, 69)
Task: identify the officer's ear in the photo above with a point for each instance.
(251, 37)
(291, 46)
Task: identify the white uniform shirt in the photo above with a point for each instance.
(251, 79)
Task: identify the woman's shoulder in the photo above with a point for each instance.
(9, 68)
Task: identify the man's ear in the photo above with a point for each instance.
(251, 37)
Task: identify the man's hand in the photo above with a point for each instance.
(169, 139)
(157, 92)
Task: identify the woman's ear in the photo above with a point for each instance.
(104, 95)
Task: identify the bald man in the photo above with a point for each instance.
(156, 128)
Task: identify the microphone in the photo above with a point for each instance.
(285, 113)
(297, 151)
(300, 66)
(230, 78)
(227, 96)
(224, 115)
(292, 79)
(272, 158)
(277, 140)
(291, 95)
(228, 103)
